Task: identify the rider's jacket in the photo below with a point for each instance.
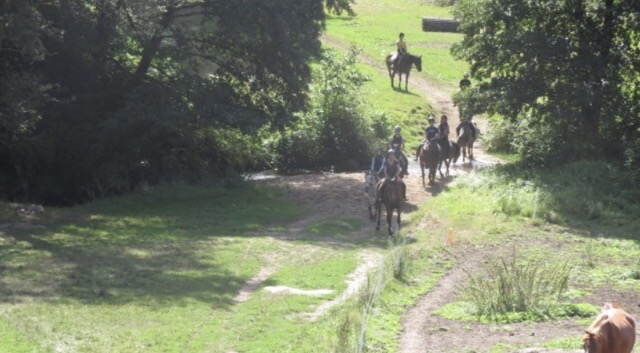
(444, 130)
(402, 46)
(431, 132)
(396, 140)
(392, 167)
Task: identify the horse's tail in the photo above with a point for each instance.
(388, 62)
(455, 149)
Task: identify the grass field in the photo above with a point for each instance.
(158, 272)
(374, 31)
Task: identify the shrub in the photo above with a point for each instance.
(500, 137)
(334, 131)
(514, 284)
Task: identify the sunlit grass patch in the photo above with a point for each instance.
(465, 311)
(335, 227)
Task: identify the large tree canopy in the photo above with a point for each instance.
(569, 65)
(98, 95)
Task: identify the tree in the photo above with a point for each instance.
(563, 66)
(99, 96)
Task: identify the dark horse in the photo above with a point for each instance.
(389, 194)
(430, 157)
(450, 154)
(403, 67)
(466, 140)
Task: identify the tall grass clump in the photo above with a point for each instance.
(352, 325)
(400, 260)
(514, 284)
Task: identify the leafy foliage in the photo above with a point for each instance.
(99, 96)
(335, 131)
(565, 68)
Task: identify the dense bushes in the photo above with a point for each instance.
(100, 97)
(564, 73)
(335, 132)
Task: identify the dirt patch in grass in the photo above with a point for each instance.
(424, 331)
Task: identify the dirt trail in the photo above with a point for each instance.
(423, 331)
(325, 195)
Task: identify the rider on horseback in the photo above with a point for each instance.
(402, 48)
(430, 134)
(391, 170)
(397, 144)
(443, 129)
(469, 123)
(377, 163)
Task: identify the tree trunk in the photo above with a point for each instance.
(152, 47)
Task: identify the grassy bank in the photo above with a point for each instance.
(158, 271)
(568, 215)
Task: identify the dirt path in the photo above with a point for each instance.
(324, 193)
(423, 331)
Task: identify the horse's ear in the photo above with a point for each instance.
(420, 56)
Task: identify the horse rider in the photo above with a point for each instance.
(391, 170)
(465, 82)
(397, 144)
(430, 134)
(401, 46)
(443, 132)
(469, 123)
(377, 163)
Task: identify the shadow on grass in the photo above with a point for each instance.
(113, 274)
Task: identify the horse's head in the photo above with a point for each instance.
(590, 344)
(418, 62)
(368, 178)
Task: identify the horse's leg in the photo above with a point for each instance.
(422, 168)
(389, 218)
(406, 81)
(398, 210)
(471, 151)
(440, 168)
(378, 209)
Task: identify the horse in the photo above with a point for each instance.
(613, 331)
(449, 155)
(430, 157)
(465, 141)
(389, 194)
(403, 67)
(370, 182)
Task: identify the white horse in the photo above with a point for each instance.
(370, 182)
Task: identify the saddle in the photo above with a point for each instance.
(396, 58)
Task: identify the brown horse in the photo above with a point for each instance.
(466, 140)
(389, 194)
(403, 67)
(430, 157)
(450, 153)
